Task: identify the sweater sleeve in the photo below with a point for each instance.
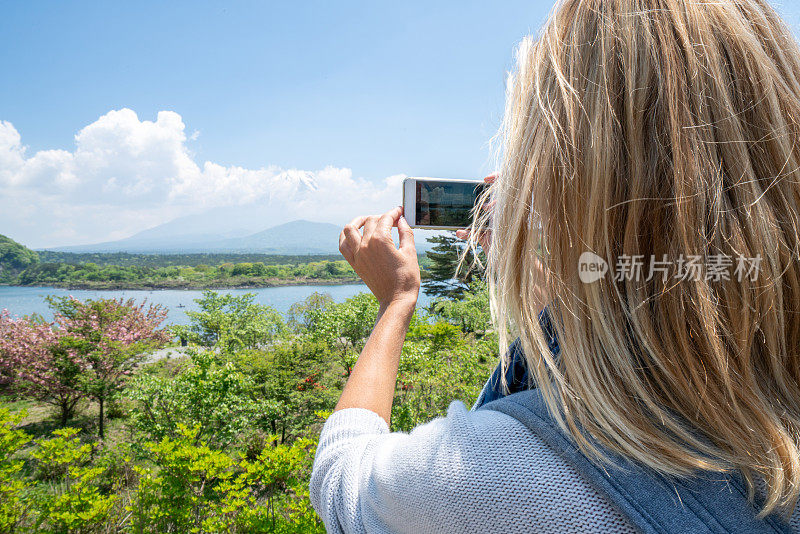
(479, 471)
(367, 479)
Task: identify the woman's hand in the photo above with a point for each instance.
(392, 274)
(485, 239)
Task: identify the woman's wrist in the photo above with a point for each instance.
(401, 305)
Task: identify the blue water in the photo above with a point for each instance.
(21, 301)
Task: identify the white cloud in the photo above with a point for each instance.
(127, 174)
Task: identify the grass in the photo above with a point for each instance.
(41, 419)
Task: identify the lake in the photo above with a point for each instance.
(21, 301)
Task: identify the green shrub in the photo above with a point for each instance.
(208, 393)
(194, 488)
(14, 489)
(72, 500)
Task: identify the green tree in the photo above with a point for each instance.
(242, 269)
(207, 393)
(74, 502)
(14, 489)
(444, 277)
(302, 315)
(438, 365)
(194, 488)
(471, 312)
(231, 322)
(110, 338)
(294, 378)
(344, 327)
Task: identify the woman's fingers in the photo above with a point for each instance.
(484, 238)
(358, 222)
(390, 218)
(391, 274)
(406, 236)
(370, 225)
(350, 238)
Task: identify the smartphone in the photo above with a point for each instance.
(438, 203)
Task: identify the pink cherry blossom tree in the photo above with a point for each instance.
(32, 363)
(89, 350)
(110, 337)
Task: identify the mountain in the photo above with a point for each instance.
(296, 237)
(174, 237)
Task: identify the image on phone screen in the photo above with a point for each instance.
(446, 203)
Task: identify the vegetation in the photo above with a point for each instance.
(127, 259)
(22, 266)
(14, 258)
(94, 276)
(216, 437)
(87, 351)
(120, 270)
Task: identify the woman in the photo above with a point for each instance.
(651, 160)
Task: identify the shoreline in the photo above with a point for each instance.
(193, 285)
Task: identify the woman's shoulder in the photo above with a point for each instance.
(483, 465)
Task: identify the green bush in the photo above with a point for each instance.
(208, 393)
(74, 502)
(14, 489)
(194, 488)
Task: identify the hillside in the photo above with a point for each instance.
(14, 258)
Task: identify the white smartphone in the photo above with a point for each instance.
(439, 203)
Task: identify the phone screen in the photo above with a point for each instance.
(446, 203)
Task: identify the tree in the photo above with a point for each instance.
(13, 488)
(76, 503)
(345, 326)
(32, 361)
(443, 277)
(302, 315)
(293, 378)
(471, 312)
(109, 338)
(192, 487)
(231, 322)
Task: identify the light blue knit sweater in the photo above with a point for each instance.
(472, 471)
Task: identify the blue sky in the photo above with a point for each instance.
(350, 94)
(380, 87)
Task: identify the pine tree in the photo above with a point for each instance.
(441, 279)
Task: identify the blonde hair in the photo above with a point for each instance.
(660, 128)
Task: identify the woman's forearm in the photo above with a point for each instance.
(372, 382)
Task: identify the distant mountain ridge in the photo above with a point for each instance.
(295, 237)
